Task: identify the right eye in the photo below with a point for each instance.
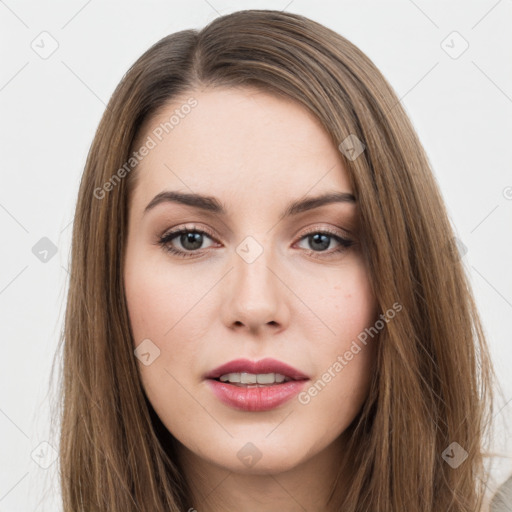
(190, 239)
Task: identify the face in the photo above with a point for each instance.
(242, 278)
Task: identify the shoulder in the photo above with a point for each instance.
(502, 500)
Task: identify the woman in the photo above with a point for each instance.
(267, 310)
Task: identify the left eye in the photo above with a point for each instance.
(320, 241)
(192, 240)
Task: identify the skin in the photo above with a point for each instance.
(255, 153)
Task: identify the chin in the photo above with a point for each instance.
(260, 456)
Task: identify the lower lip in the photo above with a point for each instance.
(255, 399)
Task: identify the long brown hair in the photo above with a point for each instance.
(434, 379)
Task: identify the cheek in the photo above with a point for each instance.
(355, 310)
(163, 309)
(346, 305)
(157, 312)
(344, 358)
(157, 299)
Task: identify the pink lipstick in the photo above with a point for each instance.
(255, 385)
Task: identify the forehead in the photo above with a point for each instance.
(240, 144)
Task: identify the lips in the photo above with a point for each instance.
(257, 367)
(255, 398)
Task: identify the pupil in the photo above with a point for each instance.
(323, 244)
(194, 238)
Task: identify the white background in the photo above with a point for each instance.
(50, 108)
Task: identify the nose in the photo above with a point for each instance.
(256, 297)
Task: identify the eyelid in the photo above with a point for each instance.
(340, 232)
(188, 227)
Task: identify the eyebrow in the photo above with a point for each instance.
(213, 205)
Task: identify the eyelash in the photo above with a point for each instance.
(164, 242)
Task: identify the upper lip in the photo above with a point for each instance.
(267, 365)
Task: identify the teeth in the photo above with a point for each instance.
(251, 378)
(266, 378)
(248, 378)
(230, 377)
